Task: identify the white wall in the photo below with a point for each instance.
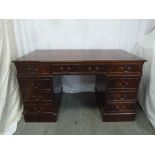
(80, 34)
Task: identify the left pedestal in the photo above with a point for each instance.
(36, 86)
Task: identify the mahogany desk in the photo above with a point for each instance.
(39, 78)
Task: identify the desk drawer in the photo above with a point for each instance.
(123, 83)
(125, 68)
(33, 69)
(78, 68)
(39, 108)
(40, 96)
(37, 83)
(121, 95)
(94, 68)
(120, 107)
(40, 117)
(64, 68)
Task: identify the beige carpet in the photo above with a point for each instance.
(79, 115)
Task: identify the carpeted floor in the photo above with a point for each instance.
(79, 115)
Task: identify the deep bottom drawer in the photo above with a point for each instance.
(120, 107)
(40, 117)
(118, 117)
(39, 108)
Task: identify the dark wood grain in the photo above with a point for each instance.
(80, 55)
(118, 75)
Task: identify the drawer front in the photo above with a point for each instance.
(94, 68)
(121, 95)
(78, 68)
(39, 108)
(40, 117)
(33, 69)
(64, 68)
(123, 83)
(40, 96)
(29, 83)
(120, 107)
(125, 68)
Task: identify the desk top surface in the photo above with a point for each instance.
(79, 55)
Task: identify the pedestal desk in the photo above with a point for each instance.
(118, 75)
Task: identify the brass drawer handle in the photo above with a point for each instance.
(96, 68)
(40, 96)
(68, 68)
(37, 99)
(120, 108)
(120, 84)
(124, 96)
(61, 68)
(89, 68)
(123, 83)
(117, 107)
(36, 69)
(126, 68)
(29, 69)
(126, 83)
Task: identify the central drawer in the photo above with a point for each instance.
(37, 96)
(78, 68)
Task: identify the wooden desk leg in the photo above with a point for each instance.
(100, 92)
(57, 92)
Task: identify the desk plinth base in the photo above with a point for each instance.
(118, 117)
(40, 117)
